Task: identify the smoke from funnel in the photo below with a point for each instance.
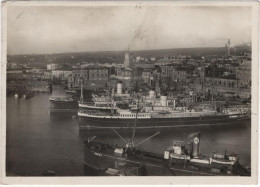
(143, 30)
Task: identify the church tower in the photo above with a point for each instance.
(128, 59)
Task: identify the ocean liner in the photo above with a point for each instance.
(121, 111)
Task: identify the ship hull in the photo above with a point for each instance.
(63, 106)
(106, 161)
(92, 123)
(98, 160)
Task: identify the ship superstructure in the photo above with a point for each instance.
(119, 111)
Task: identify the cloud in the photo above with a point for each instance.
(39, 30)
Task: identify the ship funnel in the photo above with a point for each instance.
(119, 88)
(195, 145)
(164, 100)
(151, 94)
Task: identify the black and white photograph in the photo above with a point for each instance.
(133, 89)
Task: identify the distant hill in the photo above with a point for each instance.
(118, 56)
(181, 51)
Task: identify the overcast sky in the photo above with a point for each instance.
(39, 30)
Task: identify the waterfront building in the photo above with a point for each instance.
(197, 84)
(144, 65)
(153, 59)
(244, 79)
(74, 80)
(61, 74)
(180, 75)
(197, 81)
(14, 75)
(137, 59)
(162, 62)
(147, 76)
(38, 86)
(52, 66)
(123, 72)
(158, 86)
(168, 70)
(93, 77)
(169, 57)
(244, 74)
(38, 74)
(98, 73)
(47, 74)
(11, 66)
(225, 86)
(137, 74)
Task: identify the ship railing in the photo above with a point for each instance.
(95, 104)
(140, 115)
(61, 98)
(237, 110)
(101, 98)
(95, 113)
(184, 114)
(87, 103)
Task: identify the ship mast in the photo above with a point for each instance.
(81, 89)
(213, 76)
(130, 144)
(133, 136)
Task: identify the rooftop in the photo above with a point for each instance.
(231, 76)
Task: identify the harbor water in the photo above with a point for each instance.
(37, 141)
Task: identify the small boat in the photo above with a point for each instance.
(74, 117)
(224, 158)
(28, 95)
(16, 96)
